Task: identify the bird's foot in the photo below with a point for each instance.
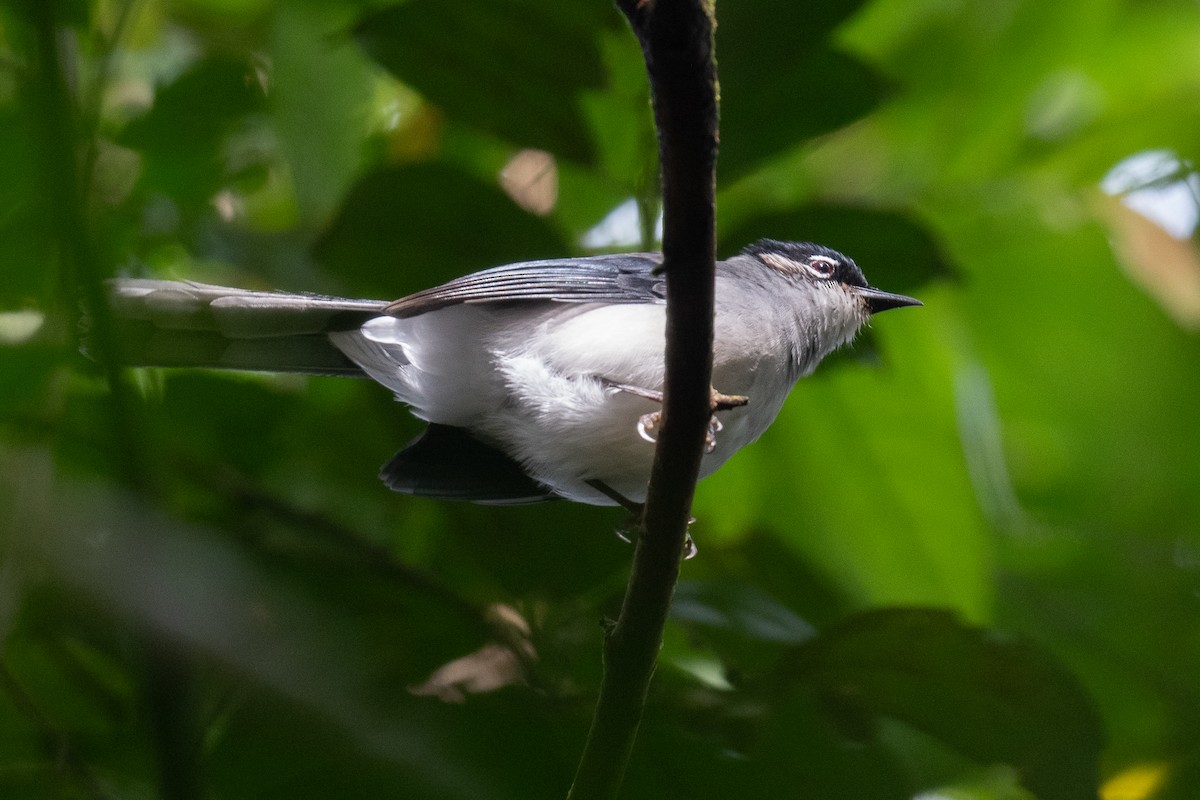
(647, 424)
(647, 428)
(723, 402)
(628, 530)
(718, 401)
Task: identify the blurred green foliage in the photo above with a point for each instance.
(964, 563)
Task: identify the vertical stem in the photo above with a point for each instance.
(677, 41)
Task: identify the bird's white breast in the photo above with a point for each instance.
(566, 420)
(541, 382)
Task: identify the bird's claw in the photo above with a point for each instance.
(647, 428)
(628, 531)
(710, 436)
(648, 424)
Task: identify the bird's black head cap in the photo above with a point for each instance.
(808, 259)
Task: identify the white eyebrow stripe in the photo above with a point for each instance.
(781, 263)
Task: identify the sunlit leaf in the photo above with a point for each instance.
(780, 80)
(512, 68)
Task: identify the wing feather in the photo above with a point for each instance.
(625, 278)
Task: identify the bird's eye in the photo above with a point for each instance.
(821, 266)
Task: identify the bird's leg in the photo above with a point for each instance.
(647, 423)
(633, 507)
(628, 529)
(724, 402)
(649, 394)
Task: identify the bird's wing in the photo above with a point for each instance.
(625, 278)
(449, 463)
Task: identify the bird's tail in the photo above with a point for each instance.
(186, 324)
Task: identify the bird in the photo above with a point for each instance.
(537, 380)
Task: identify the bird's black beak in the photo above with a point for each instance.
(879, 300)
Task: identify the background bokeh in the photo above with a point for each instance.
(964, 563)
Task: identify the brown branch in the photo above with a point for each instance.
(677, 42)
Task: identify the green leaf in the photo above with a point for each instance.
(780, 80)
(73, 13)
(514, 68)
(802, 748)
(782, 25)
(738, 608)
(181, 136)
(732, 627)
(26, 229)
(1180, 776)
(496, 747)
(993, 697)
(318, 100)
(406, 228)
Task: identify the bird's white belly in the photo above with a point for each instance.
(564, 418)
(568, 423)
(545, 389)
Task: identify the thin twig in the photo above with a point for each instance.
(93, 105)
(677, 42)
(166, 676)
(57, 742)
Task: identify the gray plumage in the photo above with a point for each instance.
(189, 324)
(536, 378)
(624, 278)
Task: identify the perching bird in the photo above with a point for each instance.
(539, 379)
